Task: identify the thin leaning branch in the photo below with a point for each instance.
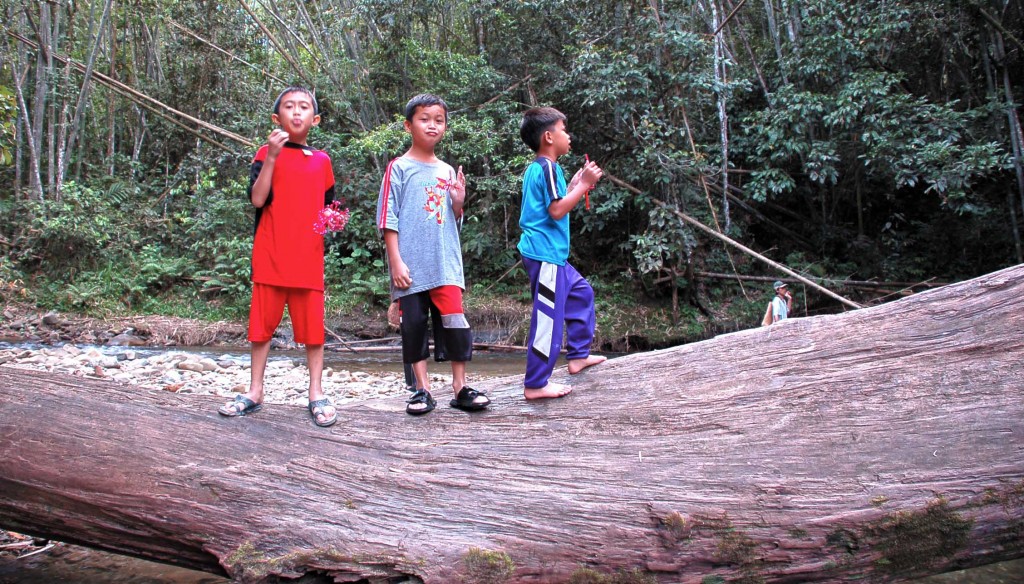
(734, 243)
(277, 44)
(141, 97)
(707, 194)
(728, 18)
(260, 70)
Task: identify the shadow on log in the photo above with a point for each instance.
(882, 444)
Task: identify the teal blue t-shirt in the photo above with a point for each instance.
(543, 238)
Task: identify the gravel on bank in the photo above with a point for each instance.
(286, 380)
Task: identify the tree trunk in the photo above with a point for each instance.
(880, 445)
(35, 184)
(42, 90)
(68, 146)
(773, 31)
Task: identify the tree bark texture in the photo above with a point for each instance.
(879, 445)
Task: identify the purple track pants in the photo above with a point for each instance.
(560, 295)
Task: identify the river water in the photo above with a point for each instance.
(69, 564)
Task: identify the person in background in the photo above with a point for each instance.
(782, 303)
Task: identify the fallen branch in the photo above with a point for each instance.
(126, 90)
(691, 221)
(232, 56)
(929, 283)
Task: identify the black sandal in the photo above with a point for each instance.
(318, 408)
(466, 400)
(240, 406)
(421, 396)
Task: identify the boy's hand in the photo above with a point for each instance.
(590, 174)
(400, 276)
(275, 142)
(575, 180)
(458, 188)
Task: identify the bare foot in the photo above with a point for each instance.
(577, 365)
(551, 390)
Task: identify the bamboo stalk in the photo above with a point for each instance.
(67, 146)
(35, 180)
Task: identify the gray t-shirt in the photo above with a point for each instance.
(414, 201)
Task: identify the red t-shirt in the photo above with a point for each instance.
(286, 251)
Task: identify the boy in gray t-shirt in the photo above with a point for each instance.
(419, 205)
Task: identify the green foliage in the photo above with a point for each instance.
(863, 140)
(12, 282)
(361, 274)
(8, 114)
(78, 227)
(901, 141)
(231, 269)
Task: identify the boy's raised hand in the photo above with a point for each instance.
(575, 180)
(590, 174)
(275, 141)
(458, 189)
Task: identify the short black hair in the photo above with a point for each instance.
(424, 100)
(296, 89)
(535, 122)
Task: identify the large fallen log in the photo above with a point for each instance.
(882, 444)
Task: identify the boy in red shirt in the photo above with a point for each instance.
(290, 183)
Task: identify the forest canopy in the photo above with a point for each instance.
(849, 140)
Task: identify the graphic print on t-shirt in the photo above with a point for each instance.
(436, 196)
(435, 205)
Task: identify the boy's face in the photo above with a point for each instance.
(296, 115)
(559, 138)
(427, 126)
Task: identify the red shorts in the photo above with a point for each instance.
(305, 308)
(447, 299)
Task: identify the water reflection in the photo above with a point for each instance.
(385, 359)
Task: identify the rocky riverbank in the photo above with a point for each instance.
(286, 380)
(144, 351)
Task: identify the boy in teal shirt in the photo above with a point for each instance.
(561, 296)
